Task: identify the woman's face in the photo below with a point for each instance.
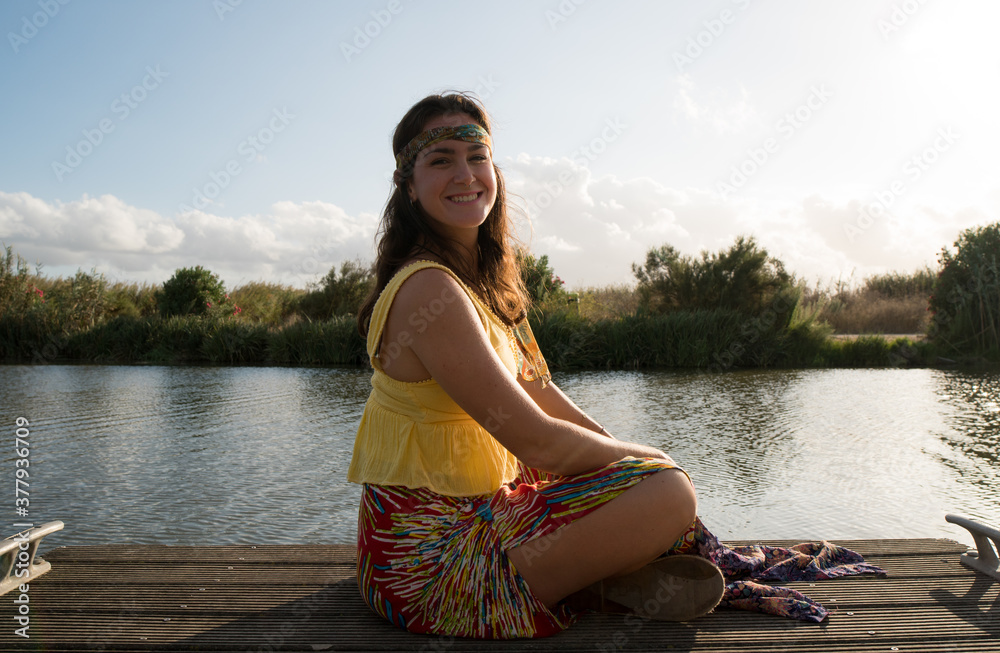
(453, 181)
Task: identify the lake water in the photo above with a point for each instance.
(225, 455)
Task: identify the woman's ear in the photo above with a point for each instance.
(403, 184)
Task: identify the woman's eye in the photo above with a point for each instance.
(438, 161)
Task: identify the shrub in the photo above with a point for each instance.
(966, 302)
(266, 302)
(18, 293)
(895, 302)
(782, 334)
(191, 291)
(30, 336)
(743, 278)
(338, 294)
(80, 302)
(896, 284)
(539, 279)
(130, 300)
(607, 302)
(875, 314)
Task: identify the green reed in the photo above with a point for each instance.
(330, 342)
(232, 342)
(714, 339)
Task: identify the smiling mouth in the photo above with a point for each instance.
(464, 199)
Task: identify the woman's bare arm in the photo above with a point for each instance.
(556, 404)
(456, 352)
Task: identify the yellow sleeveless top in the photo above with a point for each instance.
(412, 433)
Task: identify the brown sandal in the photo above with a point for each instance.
(671, 588)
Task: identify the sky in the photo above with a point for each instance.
(252, 137)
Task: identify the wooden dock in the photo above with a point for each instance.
(305, 598)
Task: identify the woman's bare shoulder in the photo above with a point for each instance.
(428, 280)
(421, 300)
(431, 289)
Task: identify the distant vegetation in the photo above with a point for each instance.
(190, 319)
(743, 278)
(966, 300)
(738, 307)
(735, 308)
(885, 303)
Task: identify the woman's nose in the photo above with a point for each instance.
(464, 174)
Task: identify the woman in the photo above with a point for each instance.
(491, 503)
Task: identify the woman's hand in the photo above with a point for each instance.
(555, 403)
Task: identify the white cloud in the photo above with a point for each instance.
(293, 243)
(592, 229)
(716, 109)
(104, 224)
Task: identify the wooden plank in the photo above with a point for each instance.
(346, 554)
(281, 573)
(306, 630)
(842, 593)
(305, 598)
(317, 554)
(203, 575)
(850, 591)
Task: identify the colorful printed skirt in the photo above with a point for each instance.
(437, 564)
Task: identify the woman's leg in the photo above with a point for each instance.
(619, 537)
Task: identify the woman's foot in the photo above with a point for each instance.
(671, 588)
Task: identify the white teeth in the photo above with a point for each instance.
(464, 198)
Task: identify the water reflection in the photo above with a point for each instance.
(184, 455)
(805, 454)
(971, 408)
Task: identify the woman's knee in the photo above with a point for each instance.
(678, 493)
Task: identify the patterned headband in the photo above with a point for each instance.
(472, 133)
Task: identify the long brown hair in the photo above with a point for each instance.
(405, 231)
